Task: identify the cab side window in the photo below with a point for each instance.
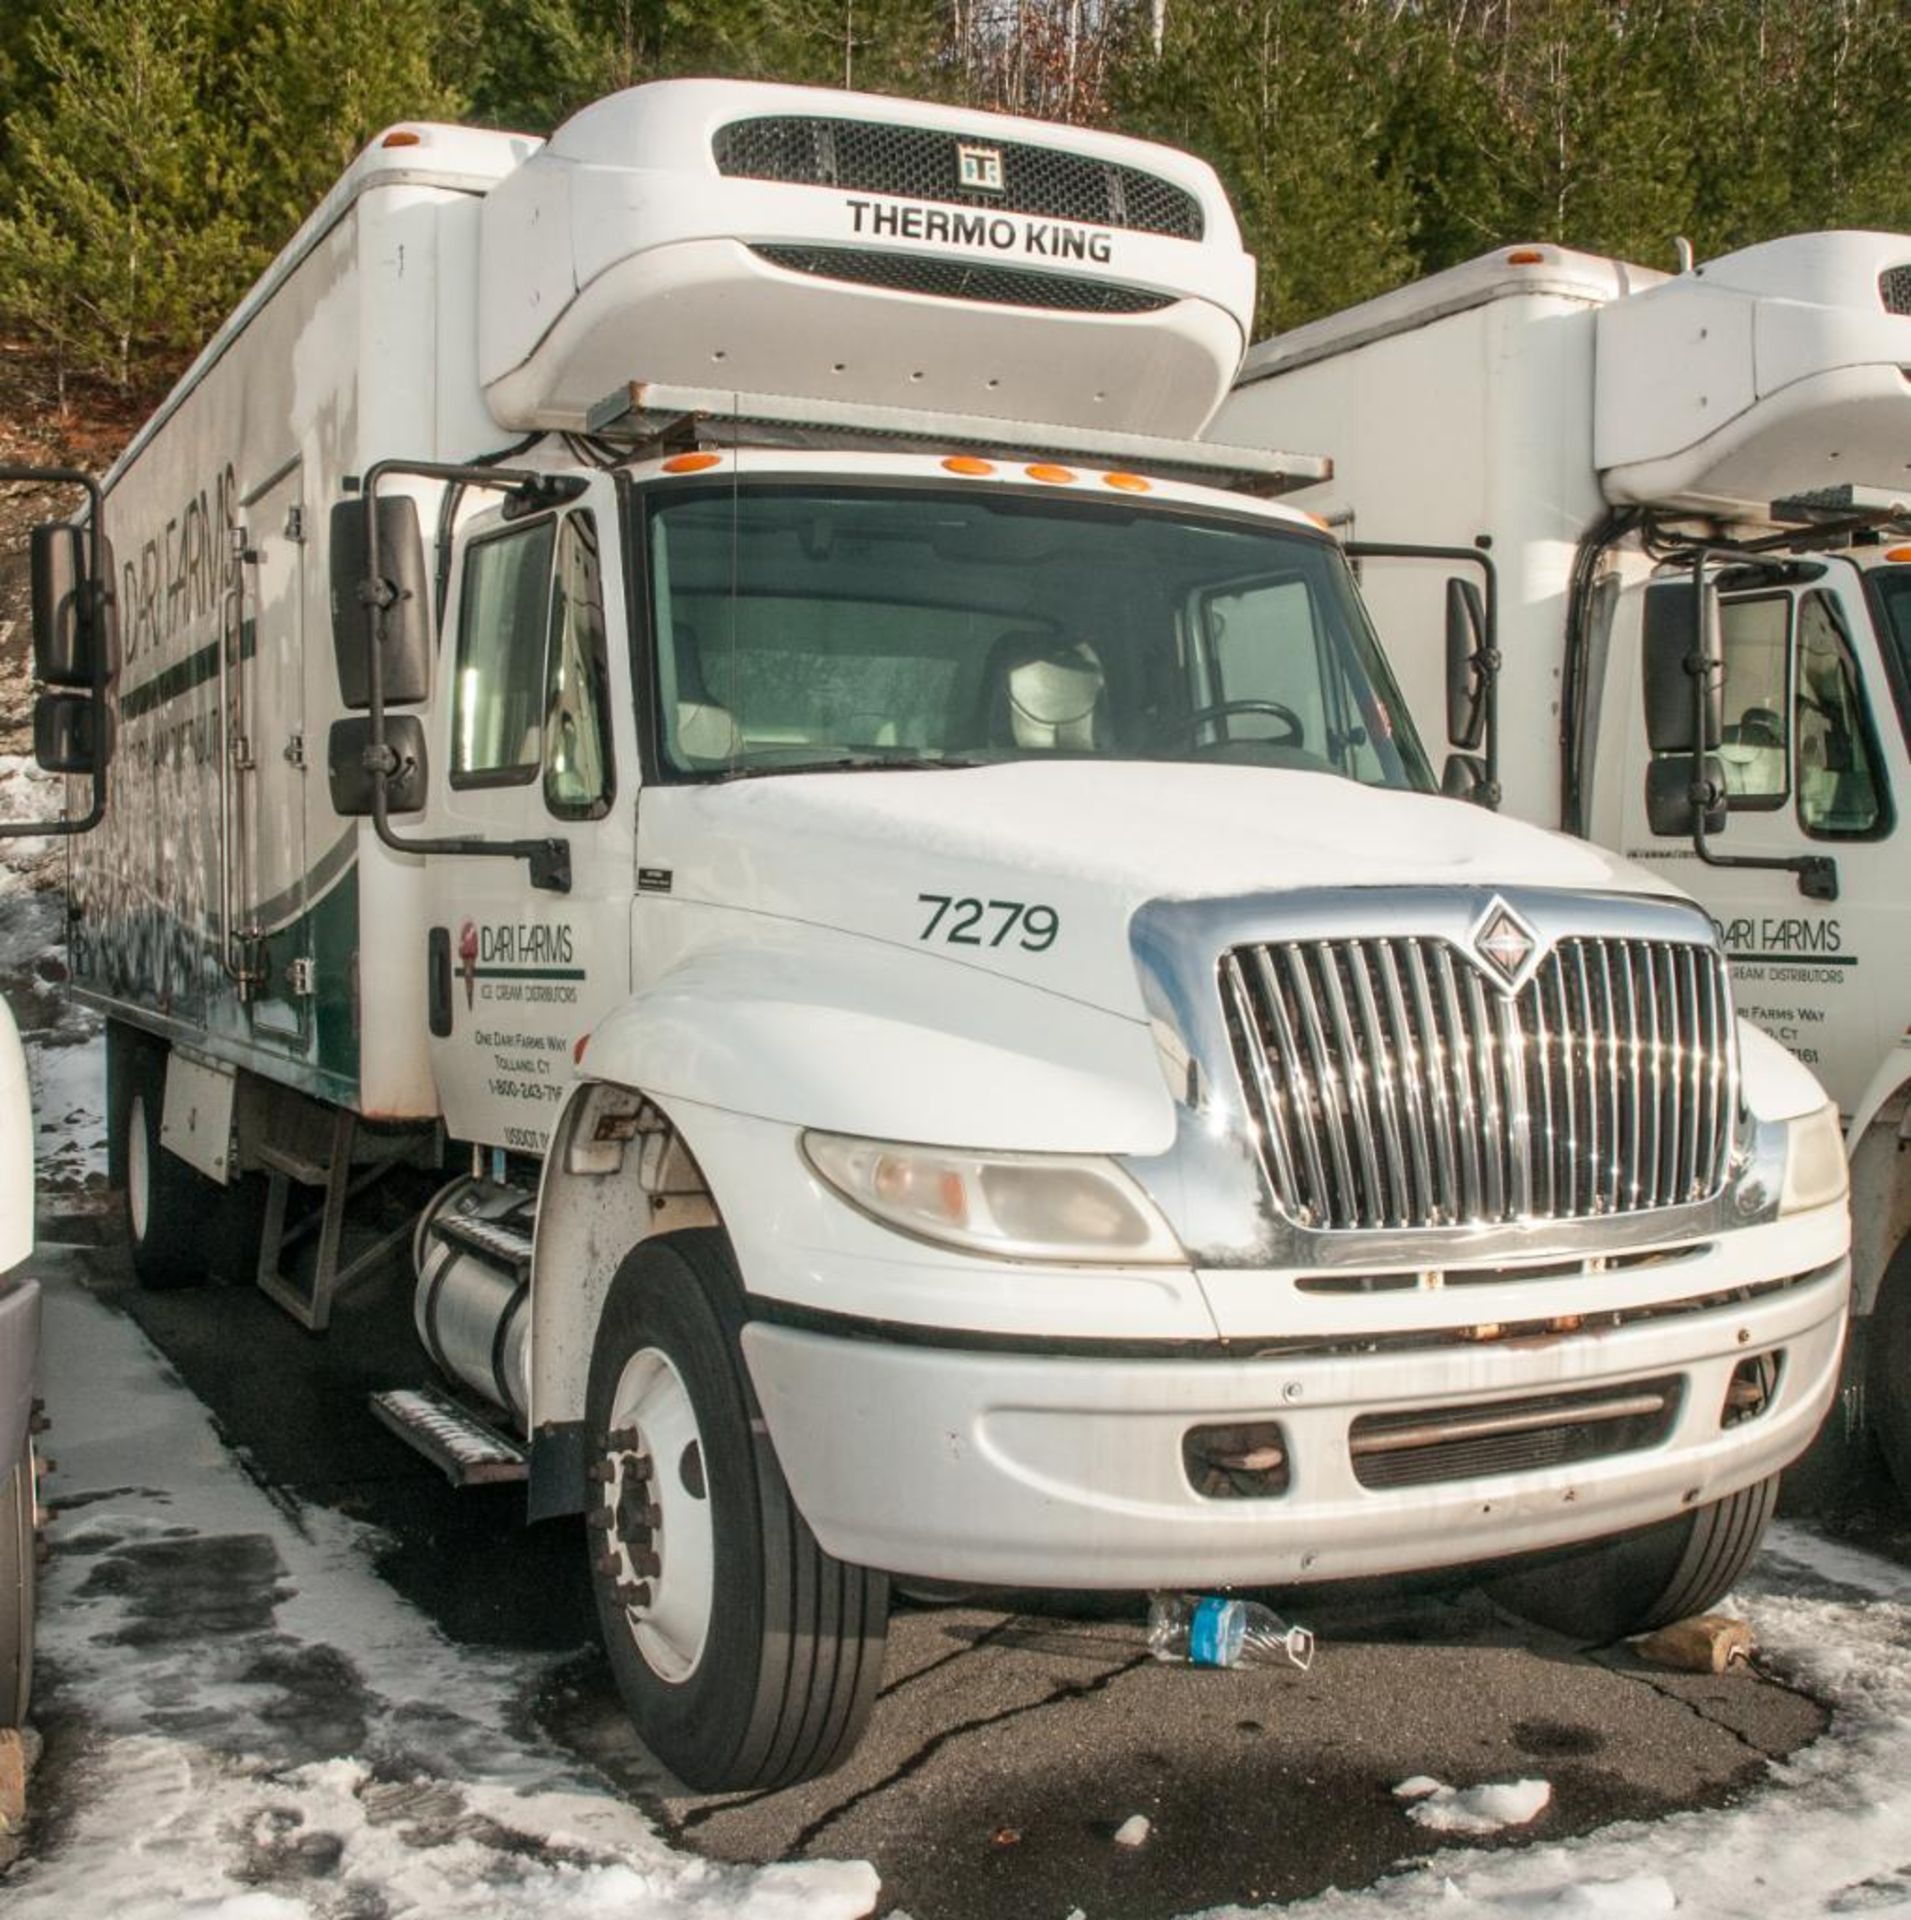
(497, 734)
(1754, 747)
(579, 779)
(1266, 644)
(1839, 789)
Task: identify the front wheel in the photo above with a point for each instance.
(746, 1655)
(1644, 1579)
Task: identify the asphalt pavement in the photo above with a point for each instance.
(1015, 1733)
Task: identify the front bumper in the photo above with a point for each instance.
(1020, 1468)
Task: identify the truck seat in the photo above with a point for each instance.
(1046, 693)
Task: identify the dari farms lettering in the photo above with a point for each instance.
(527, 944)
(518, 962)
(999, 232)
(176, 576)
(1785, 951)
(1774, 936)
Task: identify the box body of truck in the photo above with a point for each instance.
(979, 1051)
(223, 902)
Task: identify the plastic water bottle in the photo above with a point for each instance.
(1213, 1630)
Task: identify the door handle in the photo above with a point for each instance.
(438, 981)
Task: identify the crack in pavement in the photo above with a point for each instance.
(907, 1769)
(1604, 1657)
(733, 1803)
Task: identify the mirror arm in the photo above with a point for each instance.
(1817, 872)
(1486, 656)
(99, 594)
(549, 859)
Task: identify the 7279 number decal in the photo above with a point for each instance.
(988, 923)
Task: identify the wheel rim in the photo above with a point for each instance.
(139, 1199)
(661, 1544)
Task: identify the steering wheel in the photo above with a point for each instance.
(1186, 729)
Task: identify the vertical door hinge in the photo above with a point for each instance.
(295, 523)
(300, 977)
(295, 751)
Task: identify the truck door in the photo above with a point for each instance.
(270, 941)
(1814, 763)
(531, 727)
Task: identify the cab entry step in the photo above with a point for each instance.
(468, 1450)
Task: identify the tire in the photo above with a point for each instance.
(17, 1566)
(746, 1656)
(1888, 1368)
(1644, 1579)
(171, 1208)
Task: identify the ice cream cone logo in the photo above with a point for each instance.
(468, 960)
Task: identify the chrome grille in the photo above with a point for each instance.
(958, 279)
(1894, 289)
(920, 163)
(1392, 1084)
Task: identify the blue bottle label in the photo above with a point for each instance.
(1211, 1642)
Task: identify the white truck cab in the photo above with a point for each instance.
(1598, 427)
(709, 696)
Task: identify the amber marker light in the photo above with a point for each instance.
(967, 463)
(1127, 482)
(1897, 553)
(577, 1052)
(1053, 476)
(403, 137)
(1526, 257)
(692, 462)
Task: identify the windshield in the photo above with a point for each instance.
(804, 627)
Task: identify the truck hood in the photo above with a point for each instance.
(878, 854)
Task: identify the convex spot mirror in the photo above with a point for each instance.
(1466, 687)
(1671, 809)
(405, 654)
(351, 779)
(66, 735)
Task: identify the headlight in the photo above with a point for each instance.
(1815, 1173)
(1016, 1206)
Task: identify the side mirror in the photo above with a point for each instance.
(1466, 631)
(405, 660)
(65, 738)
(1463, 776)
(1671, 809)
(67, 616)
(351, 780)
(1669, 638)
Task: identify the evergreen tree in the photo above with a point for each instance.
(1288, 100)
(314, 80)
(121, 233)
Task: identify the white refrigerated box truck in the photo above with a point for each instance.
(1600, 429)
(946, 1075)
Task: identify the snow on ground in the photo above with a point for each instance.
(1828, 1834)
(1473, 1810)
(65, 1064)
(267, 1732)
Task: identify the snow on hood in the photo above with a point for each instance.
(937, 862)
(1178, 830)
